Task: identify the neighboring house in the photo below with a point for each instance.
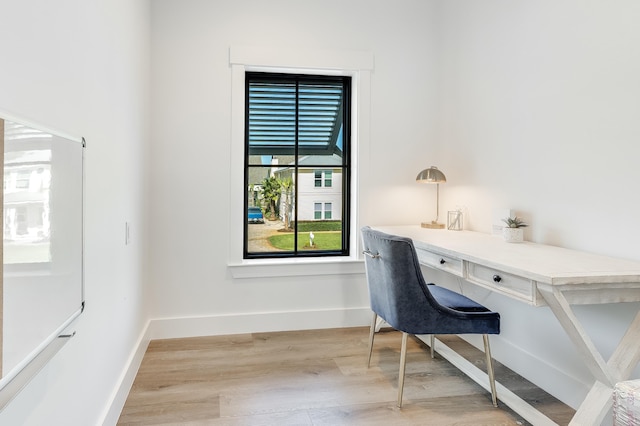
(27, 180)
(26, 186)
(319, 188)
(27, 177)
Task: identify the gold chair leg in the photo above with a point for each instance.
(372, 332)
(433, 345)
(403, 362)
(492, 380)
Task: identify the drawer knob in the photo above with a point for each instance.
(442, 261)
(497, 278)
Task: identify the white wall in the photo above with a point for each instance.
(495, 93)
(487, 91)
(81, 67)
(539, 113)
(190, 152)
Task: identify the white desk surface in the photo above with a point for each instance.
(542, 263)
(542, 274)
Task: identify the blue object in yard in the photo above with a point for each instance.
(255, 215)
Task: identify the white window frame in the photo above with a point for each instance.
(356, 64)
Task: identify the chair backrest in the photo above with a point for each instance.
(400, 295)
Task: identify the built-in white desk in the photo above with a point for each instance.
(541, 275)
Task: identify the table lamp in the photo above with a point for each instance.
(433, 175)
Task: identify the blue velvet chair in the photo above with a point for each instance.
(401, 297)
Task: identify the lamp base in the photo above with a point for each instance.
(432, 225)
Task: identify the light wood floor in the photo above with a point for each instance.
(316, 377)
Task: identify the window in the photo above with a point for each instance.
(327, 179)
(322, 176)
(297, 141)
(318, 211)
(355, 64)
(22, 181)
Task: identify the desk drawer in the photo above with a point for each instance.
(501, 282)
(439, 261)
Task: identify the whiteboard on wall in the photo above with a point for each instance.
(42, 280)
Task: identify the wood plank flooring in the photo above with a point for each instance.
(315, 377)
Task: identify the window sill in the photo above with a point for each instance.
(295, 267)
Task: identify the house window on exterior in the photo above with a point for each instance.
(327, 211)
(22, 182)
(327, 179)
(297, 147)
(322, 178)
(320, 213)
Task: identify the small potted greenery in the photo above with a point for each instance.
(513, 232)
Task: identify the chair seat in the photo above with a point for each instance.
(454, 300)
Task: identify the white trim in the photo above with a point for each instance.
(217, 325)
(318, 59)
(548, 377)
(505, 395)
(261, 268)
(261, 322)
(356, 64)
(119, 396)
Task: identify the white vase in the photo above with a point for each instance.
(513, 235)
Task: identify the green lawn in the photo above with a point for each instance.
(322, 241)
(319, 225)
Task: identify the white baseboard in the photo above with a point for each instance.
(119, 396)
(566, 388)
(169, 328)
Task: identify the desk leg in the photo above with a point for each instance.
(606, 374)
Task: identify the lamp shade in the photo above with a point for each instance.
(431, 175)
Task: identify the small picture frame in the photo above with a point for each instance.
(454, 220)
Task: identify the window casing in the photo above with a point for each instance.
(297, 142)
(356, 64)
